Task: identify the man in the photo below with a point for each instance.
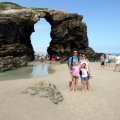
(72, 61)
(117, 63)
(102, 61)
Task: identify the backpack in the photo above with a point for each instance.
(72, 60)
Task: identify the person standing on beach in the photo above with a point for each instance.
(71, 63)
(106, 60)
(102, 61)
(42, 58)
(75, 75)
(86, 61)
(84, 77)
(52, 59)
(117, 63)
(109, 60)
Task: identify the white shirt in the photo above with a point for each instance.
(84, 72)
(117, 59)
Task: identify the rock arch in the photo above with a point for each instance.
(40, 39)
(16, 26)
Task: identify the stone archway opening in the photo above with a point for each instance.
(40, 38)
(67, 32)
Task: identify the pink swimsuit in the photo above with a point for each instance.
(76, 70)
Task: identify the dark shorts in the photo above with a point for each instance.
(84, 78)
(102, 63)
(109, 61)
(75, 77)
(71, 67)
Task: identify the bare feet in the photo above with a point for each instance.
(84, 90)
(88, 89)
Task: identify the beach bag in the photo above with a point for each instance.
(80, 73)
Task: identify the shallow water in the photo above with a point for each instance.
(35, 70)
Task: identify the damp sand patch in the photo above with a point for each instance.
(33, 70)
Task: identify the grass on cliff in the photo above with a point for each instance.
(37, 9)
(9, 5)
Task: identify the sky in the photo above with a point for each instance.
(102, 18)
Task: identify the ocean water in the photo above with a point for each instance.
(36, 70)
(41, 53)
(113, 54)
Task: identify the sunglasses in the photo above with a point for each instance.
(75, 52)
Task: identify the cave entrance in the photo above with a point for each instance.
(40, 39)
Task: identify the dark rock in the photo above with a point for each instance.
(45, 90)
(10, 62)
(68, 32)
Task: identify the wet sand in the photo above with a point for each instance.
(33, 69)
(100, 103)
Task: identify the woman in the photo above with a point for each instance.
(86, 61)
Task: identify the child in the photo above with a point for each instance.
(84, 77)
(75, 75)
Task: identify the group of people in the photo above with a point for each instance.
(106, 60)
(55, 58)
(79, 67)
(42, 58)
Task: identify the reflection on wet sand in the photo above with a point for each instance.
(41, 69)
(34, 69)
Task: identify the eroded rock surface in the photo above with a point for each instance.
(17, 24)
(45, 90)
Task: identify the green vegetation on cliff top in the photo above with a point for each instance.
(9, 5)
(37, 9)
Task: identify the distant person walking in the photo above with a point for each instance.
(109, 60)
(71, 63)
(106, 60)
(102, 61)
(117, 63)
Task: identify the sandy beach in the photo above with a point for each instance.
(100, 103)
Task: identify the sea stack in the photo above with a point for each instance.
(68, 32)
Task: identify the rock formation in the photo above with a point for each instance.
(17, 24)
(45, 90)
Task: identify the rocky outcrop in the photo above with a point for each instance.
(17, 24)
(45, 90)
(10, 62)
